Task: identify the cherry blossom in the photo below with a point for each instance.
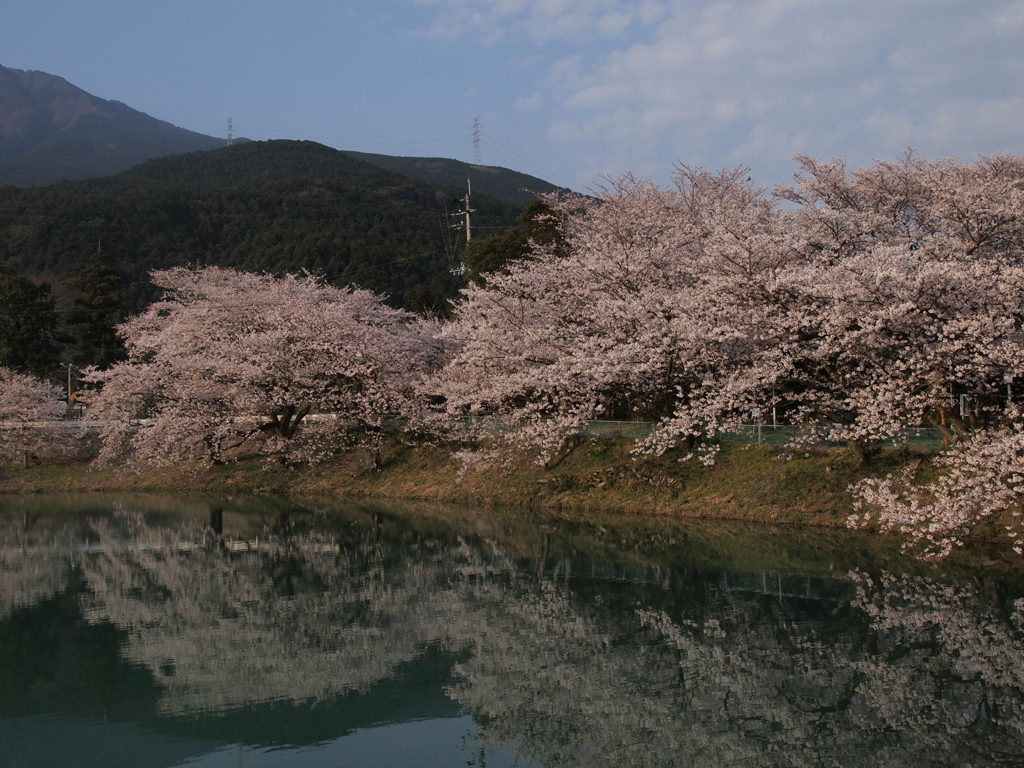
(983, 480)
(30, 410)
(229, 360)
(871, 301)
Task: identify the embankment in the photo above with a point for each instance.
(746, 483)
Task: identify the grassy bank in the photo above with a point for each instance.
(746, 483)
(754, 510)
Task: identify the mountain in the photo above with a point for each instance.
(494, 181)
(51, 130)
(275, 206)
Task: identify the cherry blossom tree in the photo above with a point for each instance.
(870, 301)
(649, 288)
(925, 325)
(904, 295)
(228, 360)
(876, 300)
(983, 480)
(29, 410)
(910, 294)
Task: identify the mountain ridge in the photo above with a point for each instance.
(69, 180)
(52, 130)
(492, 180)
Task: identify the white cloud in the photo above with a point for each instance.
(1012, 19)
(756, 81)
(490, 21)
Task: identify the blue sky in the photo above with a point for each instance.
(568, 90)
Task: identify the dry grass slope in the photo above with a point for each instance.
(747, 483)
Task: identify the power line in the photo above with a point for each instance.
(521, 157)
(446, 137)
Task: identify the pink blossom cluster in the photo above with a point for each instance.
(29, 410)
(861, 302)
(231, 361)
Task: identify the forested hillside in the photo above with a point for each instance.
(492, 181)
(277, 206)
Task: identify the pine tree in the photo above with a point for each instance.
(101, 308)
(538, 226)
(29, 342)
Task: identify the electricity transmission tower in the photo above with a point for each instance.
(477, 158)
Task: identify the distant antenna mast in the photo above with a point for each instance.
(230, 137)
(477, 159)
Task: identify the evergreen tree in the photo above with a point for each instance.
(538, 224)
(425, 302)
(101, 307)
(29, 342)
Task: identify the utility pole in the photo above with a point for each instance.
(466, 210)
(230, 136)
(69, 411)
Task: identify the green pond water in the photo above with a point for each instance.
(141, 631)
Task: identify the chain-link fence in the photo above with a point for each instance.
(915, 438)
(631, 429)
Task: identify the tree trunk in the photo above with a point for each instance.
(939, 423)
(863, 451)
(217, 519)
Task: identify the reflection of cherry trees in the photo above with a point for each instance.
(968, 660)
(931, 675)
(35, 561)
(296, 620)
(565, 668)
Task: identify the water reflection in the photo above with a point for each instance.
(220, 635)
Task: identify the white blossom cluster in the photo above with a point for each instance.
(29, 409)
(861, 305)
